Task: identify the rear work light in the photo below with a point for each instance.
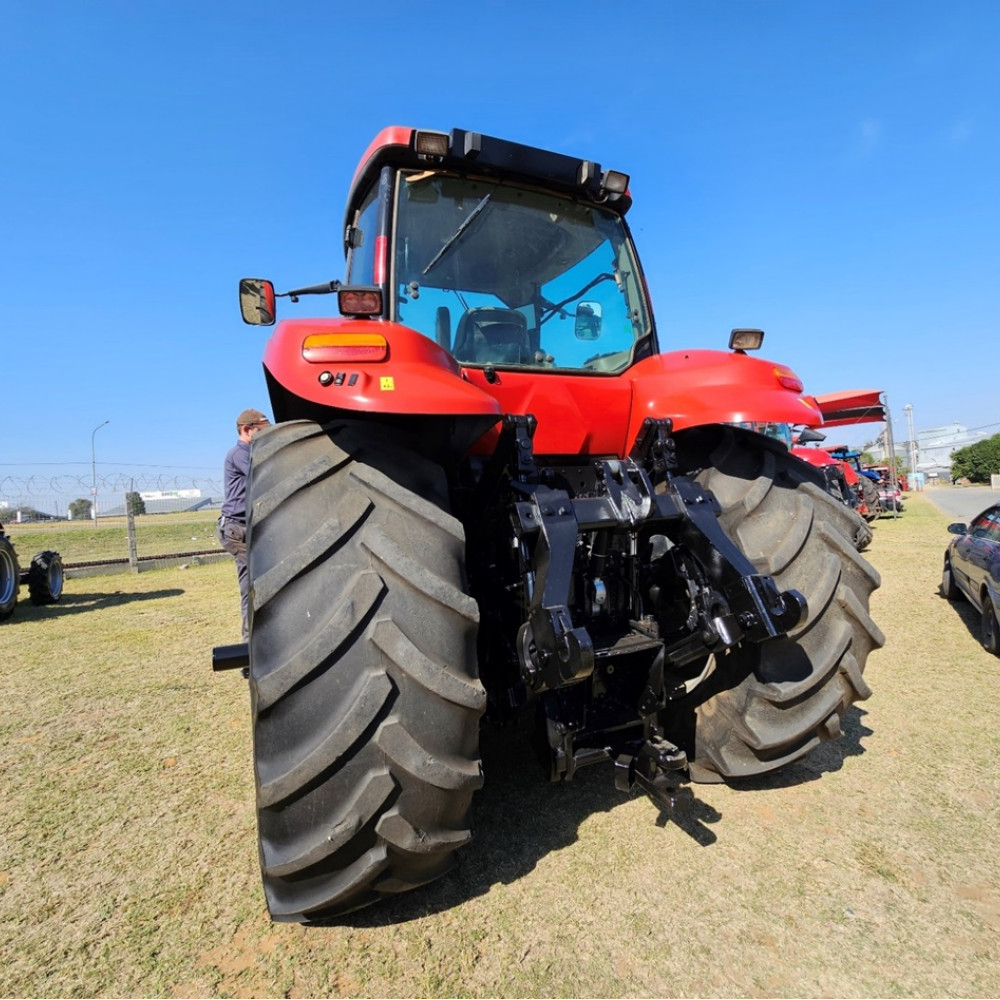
(355, 300)
(431, 143)
(614, 182)
(343, 348)
(742, 339)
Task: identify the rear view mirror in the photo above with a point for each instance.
(588, 321)
(808, 434)
(257, 301)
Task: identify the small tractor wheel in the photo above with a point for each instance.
(10, 578)
(949, 589)
(45, 578)
(363, 674)
(768, 704)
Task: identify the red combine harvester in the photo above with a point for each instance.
(488, 496)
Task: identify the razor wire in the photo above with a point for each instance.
(52, 494)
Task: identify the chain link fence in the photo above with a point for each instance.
(119, 519)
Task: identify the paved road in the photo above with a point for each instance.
(962, 502)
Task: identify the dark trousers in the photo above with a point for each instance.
(232, 537)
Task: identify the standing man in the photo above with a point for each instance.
(233, 522)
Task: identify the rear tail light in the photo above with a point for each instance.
(787, 379)
(333, 348)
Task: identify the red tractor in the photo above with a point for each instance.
(841, 466)
(488, 497)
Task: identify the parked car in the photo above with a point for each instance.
(972, 570)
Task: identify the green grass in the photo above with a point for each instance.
(128, 860)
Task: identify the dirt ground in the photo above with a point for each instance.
(128, 858)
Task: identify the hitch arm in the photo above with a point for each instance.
(761, 610)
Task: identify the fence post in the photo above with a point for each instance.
(133, 555)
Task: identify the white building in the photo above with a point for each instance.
(935, 447)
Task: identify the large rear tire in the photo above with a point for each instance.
(10, 578)
(45, 578)
(365, 694)
(769, 704)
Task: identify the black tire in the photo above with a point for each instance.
(45, 578)
(769, 704)
(10, 578)
(871, 497)
(363, 673)
(949, 589)
(989, 631)
(836, 485)
(860, 531)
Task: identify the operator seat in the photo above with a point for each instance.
(488, 334)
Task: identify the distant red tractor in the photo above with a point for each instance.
(863, 488)
(487, 496)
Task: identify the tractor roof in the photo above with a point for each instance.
(481, 155)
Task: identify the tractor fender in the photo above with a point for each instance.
(340, 363)
(718, 387)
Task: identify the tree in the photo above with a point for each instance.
(134, 503)
(977, 462)
(79, 509)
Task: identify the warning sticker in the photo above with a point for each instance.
(386, 383)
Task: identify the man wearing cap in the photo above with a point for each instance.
(233, 522)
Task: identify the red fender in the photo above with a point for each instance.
(375, 366)
(601, 415)
(412, 374)
(707, 387)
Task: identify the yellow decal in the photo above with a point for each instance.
(386, 383)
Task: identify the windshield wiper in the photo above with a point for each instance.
(457, 235)
(557, 308)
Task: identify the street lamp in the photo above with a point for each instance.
(93, 473)
(908, 409)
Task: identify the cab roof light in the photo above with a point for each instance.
(355, 300)
(343, 348)
(746, 340)
(614, 182)
(431, 143)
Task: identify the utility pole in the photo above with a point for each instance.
(93, 473)
(908, 409)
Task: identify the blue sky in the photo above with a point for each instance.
(826, 171)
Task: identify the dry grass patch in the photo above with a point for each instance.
(128, 862)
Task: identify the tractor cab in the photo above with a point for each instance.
(491, 267)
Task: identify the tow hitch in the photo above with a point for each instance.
(656, 768)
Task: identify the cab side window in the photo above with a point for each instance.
(361, 261)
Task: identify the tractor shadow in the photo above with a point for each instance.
(76, 603)
(519, 817)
